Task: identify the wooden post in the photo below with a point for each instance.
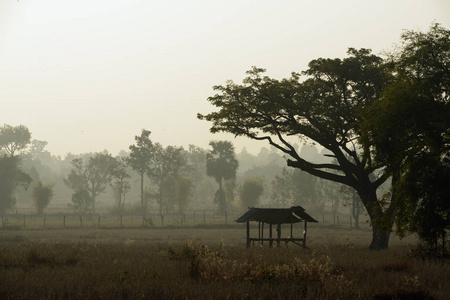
(323, 218)
(270, 235)
(334, 217)
(304, 235)
(44, 222)
(120, 220)
(278, 235)
(337, 219)
(81, 222)
(23, 221)
(193, 218)
(291, 230)
(162, 220)
(98, 221)
(262, 233)
(259, 230)
(226, 217)
(248, 234)
(351, 225)
(64, 221)
(204, 216)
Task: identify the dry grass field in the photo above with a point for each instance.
(211, 262)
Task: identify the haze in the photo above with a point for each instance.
(89, 75)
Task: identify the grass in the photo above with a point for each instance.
(201, 262)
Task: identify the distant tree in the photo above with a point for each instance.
(294, 187)
(351, 199)
(250, 192)
(37, 147)
(184, 188)
(11, 177)
(81, 200)
(92, 177)
(196, 167)
(119, 183)
(282, 190)
(167, 164)
(42, 195)
(221, 163)
(14, 138)
(140, 160)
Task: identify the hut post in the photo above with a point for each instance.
(270, 235)
(291, 230)
(304, 235)
(248, 234)
(262, 233)
(278, 235)
(259, 230)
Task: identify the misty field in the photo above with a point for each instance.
(211, 262)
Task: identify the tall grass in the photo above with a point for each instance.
(210, 264)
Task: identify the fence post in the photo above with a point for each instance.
(98, 221)
(337, 219)
(204, 216)
(23, 221)
(81, 222)
(120, 220)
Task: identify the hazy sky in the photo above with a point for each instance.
(88, 75)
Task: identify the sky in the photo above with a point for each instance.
(89, 75)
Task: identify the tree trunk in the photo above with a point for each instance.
(142, 190)
(380, 237)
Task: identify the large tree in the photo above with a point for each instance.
(14, 138)
(221, 164)
(407, 130)
(92, 176)
(140, 160)
(324, 109)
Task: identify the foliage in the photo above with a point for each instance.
(42, 194)
(14, 138)
(221, 164)
(407, 131)
(92, 177)
(250, 191)
(140, 159)
(11, 177)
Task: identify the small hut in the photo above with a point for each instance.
(276, 216)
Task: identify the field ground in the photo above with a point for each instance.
(211, 262)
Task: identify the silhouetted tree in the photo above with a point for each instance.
(325, 108)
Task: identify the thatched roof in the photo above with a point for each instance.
(275, 216)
